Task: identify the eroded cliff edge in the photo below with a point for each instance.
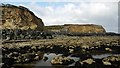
(19, 17)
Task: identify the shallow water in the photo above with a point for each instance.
(52, 55)
(47, 63)
(103, 55)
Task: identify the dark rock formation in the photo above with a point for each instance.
(19, 17)
(45, 58)
(20, 55)
(18, 34)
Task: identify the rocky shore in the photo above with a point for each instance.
(25, 39)
(20, 55)
(33, 50)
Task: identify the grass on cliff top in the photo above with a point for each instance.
(56, 27)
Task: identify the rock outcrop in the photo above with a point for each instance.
(19, 17)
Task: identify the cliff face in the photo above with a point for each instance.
(86, 28)
(14, 17)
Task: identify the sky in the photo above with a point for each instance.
(103, 12)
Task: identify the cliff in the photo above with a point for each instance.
(19, 17)
(84, 28)
(79, 28)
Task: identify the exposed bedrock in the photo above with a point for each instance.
(19, 17)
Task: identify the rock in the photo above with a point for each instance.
(15, 54)
(19, 17)
(86, 47)
(111, 60)
(8, 61)
(39, 55)
(108, 49)
(88, 61)
(33, 48)
(71, 50)
(37, 58)
(45, 58)
(26, 57)
(61, 60)
(106, 63)
(1, 64)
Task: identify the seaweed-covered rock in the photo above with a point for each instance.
(61, 60)
(88, 63)
(112, 60)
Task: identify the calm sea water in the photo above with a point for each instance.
(52, 55)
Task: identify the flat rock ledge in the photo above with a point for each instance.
(61, 60)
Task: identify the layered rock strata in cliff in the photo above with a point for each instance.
(77, 28)
(19, 17)
(86, 28)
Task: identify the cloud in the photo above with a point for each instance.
(59, 0)
(100, 13)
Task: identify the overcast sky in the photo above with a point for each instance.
(83, 12)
